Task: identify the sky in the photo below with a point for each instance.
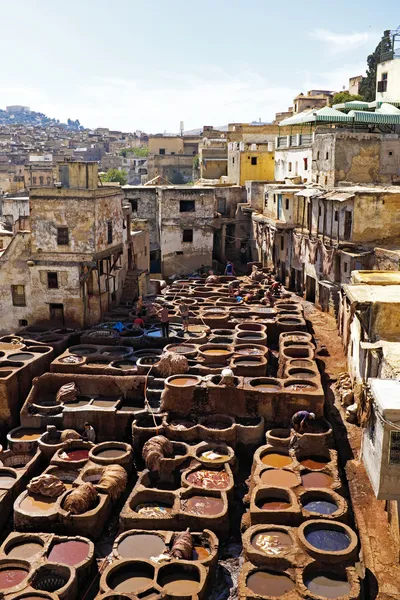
(148, 65)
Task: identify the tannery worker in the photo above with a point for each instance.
(301, 419)
(227, 377)
(89, 434)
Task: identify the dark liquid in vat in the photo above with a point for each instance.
(328, 539)
(316, 480)
(266, 583)
(328, 586)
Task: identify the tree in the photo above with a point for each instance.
(114, 175)
(367, 86)
(342, 97)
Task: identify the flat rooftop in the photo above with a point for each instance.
(364, 293)
(376, 277)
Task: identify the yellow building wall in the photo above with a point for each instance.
(264, 170)
(170, 144)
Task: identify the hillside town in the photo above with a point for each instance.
(200, 353)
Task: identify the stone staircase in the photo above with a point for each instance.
(130, 290)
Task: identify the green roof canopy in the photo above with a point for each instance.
(375, 118)
(327, 114)
(352, 105)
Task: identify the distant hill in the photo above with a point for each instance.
(22, 115)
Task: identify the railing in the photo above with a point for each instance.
(294, 141)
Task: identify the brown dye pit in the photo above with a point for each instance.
(316, 480)
(6, 481)
(215, 352)
(200, 553)
(248, 363)
(123, 581)
(297, 387)
(71, 552)
(180, 583)
(250, 352)
(80, 401)
(268, 583)
(271, 542)
(279, 478)
(314, 462)
(142, 545)
(76, 455)
(105, 401)
(110, 453)
(25, 550)
(11, 577)
(209, 479)
(38, 503)
(183, 381)
(21, 356)
(153, 509)
(266, 387)
(300, 363)
(274, 505)
(274, 459)
(27, 435)
(180, 424)
(218, 425)
(204, 505)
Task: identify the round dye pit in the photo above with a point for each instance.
(76, 455)
(200, 553)
(181, 424)
(79, 401)
(36, 503)
(70, 552)
(131, 578)
(11, 576)
(321, 507)
(7, 479)
(314, 463)
(328, 585)
(300, 387)
(215, 352)
(141, 545)
(269, 583)
(105, 401)
(124, 365)
(328, 540)
(273, 504)
(25, 550)
(27, 435)
(316, 480)
(204, 505)
(277, 460)
(218, 424)
(110, 453)
(279, 478)
(209, 480)
(82, 350)
(214, 456)
(250, 351)
(272, 542)
(179, 582)
(183, 381)
(265, 385)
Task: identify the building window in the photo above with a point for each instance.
(161, 151)
(18, 295)
(34, 179)
(41, 180)
(134, 204)
(282, 243)
(305, 164)
(274, 198)
(48, 181)
(179, 253)
(187, 235)
(326, 155)
(336, 215)
(290, 166)
(254, 160)
(22, 322)
(345, 267)
(319, 211)
(317, 180)
(390, 153)
(233, 160)
(109, 232)
(318, 155)
(187, 206)
(382, 84)
(287, 203)
(62, 236)
(52, 280)
(101, 268)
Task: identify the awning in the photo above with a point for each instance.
(309, 192)
(388, 109)
(326, 114)
(339, 196)
(375, 118)
(352, 105)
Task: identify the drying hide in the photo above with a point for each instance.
(154, 450)
(172, 363)
(182, 546)
(69, 434)
(67, 393)
(114, 480)
(46, 485)
(81, 499)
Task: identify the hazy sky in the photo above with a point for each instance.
(150, 64)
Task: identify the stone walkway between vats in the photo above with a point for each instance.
(380, 556)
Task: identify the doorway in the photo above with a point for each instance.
(57, 314)
(310, 289)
